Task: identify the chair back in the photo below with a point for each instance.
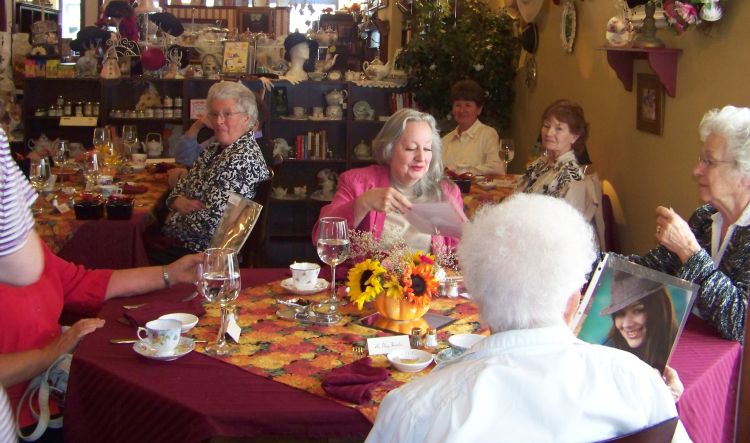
(658, 433)
(611, 241)
(252, 252)
(741, 423)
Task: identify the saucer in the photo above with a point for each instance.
(317, 195)
(289, 197)
(320, 285)
(185, 345)
(322, 117)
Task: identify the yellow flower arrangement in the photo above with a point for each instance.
(392, 270)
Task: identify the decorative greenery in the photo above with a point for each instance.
(478, 44)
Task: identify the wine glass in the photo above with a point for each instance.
(39, 174)
(220, 283)
(91, 169)
(129, 140)
(507, 151)
(333, 247)
(104, 146)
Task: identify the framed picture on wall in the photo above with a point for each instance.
(649, 104)
(236, 57)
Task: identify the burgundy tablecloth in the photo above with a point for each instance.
(110, 244)
(115, 395)
(709, 368)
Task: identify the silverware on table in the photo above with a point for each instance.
(125, 341)
(136, 306)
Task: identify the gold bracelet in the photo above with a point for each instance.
(165, 276)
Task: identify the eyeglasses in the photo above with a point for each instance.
(223, 115)
(709, 162)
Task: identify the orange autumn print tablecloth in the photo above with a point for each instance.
(300, 355)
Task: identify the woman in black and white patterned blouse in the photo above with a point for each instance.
(233, 164)
(712, 248)
(563, 134)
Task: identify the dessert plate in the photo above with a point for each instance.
(320, 285)
(184, 346)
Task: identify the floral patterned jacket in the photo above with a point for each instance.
(238, 168)
(722, 299)
(551, 177)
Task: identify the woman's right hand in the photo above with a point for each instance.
(185, 205)
(68, 340)
(384, 200)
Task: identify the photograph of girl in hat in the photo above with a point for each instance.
(643, 319)
(635, 309)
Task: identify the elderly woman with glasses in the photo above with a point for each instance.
(712, 248)
(233, 164)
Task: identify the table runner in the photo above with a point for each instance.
(300, 355)
(478, 197)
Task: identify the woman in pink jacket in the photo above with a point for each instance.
(409, 169)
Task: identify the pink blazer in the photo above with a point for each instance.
(355, 182)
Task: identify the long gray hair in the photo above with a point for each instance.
(244, 97)
(429, 184)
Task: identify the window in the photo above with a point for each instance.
(71, 18)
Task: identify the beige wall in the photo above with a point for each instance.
(645, 170)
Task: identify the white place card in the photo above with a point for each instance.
(384, 345)
(233, 329)
(61, 207)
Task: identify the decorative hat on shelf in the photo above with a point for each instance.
(118, 9)
(89, 37)
(167, 23)
(296, 38)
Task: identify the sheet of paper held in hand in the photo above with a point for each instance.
(440, 218)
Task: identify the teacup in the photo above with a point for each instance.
(279, 192)
(162, 335)
(317, 112)
(300, 191)
(299, 111)
(304, 275)
(108, 190)
(104, 180)
(139, 160)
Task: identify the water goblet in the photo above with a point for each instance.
(507, 151)
(333, 248)
(91, 169)
(130, 143)
(39, 174)
(220, 283)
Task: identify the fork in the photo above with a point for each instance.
(358, 349)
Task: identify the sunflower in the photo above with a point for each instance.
(364, 281)
(419, 283)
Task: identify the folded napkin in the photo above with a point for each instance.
(127, 188)
(354, 382)
(153, 310)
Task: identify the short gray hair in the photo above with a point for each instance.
(522, 259)
(244, 97)
(382, 148)
(733, 124)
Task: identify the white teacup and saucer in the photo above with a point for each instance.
(162, 340)
(304, 279)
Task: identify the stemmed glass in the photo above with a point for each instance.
(333, 248)
(91, 169)
(39, 174)
(507, 151)
(129, 140)
(105, 148)
(220, 283)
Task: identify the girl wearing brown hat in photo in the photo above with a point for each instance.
(643, 319)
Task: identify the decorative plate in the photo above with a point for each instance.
(362, 110)
(334, 75)
(568, 26)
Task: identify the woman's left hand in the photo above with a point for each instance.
(183, 270)
(673, 382)
(673, 232)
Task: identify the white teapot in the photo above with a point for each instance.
(42, 144)
(336, 97)
(376, 70)
(154, 147)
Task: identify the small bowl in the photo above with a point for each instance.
(188, 320)
(410, 360)
(464, 341)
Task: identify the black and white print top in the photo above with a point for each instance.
(551, 177)
(238, 168)
(722, 299)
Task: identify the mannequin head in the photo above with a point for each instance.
(297, 54)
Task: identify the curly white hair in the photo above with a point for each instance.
(522, 259)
